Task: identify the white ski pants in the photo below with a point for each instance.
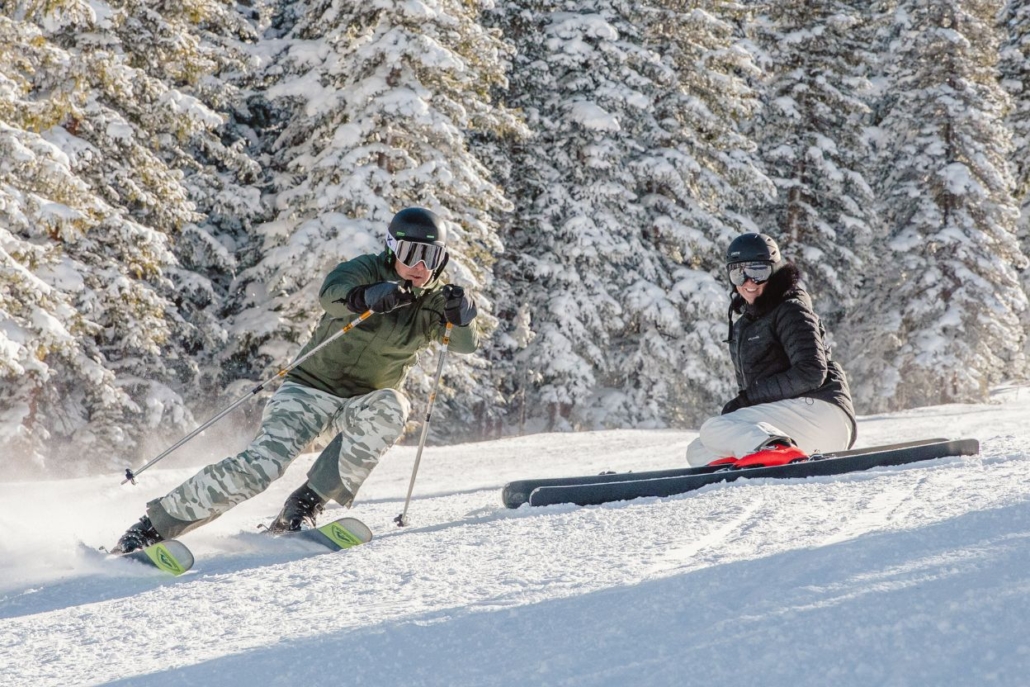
(816, 426)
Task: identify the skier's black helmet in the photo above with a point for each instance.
(418, 225)
(417, 235)
(753, 248)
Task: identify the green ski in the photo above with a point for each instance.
(336, 535)
(170, 556)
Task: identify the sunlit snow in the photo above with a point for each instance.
(916, 575)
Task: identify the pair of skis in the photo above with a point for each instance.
(174, 558)
(589, 490)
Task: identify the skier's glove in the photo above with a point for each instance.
(738, 402)
(458, 308)
(384, 296)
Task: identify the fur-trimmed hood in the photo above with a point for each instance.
(785, 283)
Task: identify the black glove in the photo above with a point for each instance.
(458, 307)
(736, 403)
(384, 296)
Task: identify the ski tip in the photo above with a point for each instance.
(343, 533)
(347, 532)
(514, 495)
(171, 556)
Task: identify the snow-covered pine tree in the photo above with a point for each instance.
(941, 321)
(697, 177)
(202, 50)
(1014, 65)
(816, 61)
(576, 74)
(44, 339)
(621, 212)
(377, 102)
(82, 272)
(94, 198)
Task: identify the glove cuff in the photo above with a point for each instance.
(356, 299)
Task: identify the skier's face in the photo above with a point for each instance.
(750, 291)
(419, 275)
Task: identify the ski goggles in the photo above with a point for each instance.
(411, 253)
(757, 272)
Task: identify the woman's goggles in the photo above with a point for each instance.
(757, 272)
(411, 253)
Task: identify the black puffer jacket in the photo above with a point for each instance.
(778, 350)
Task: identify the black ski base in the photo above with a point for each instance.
(595, 489)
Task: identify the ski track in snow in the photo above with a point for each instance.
(911, 575)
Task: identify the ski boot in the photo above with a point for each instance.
(303, 505)
(779, 450)
(139, 536)
(772, 455)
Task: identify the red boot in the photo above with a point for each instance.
(777, 454)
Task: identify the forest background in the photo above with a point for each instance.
(177, 178)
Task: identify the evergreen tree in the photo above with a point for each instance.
(698, 177)
(572, 235)
(201, 50)
(810, 132)
(621, 197)
(377, 103)
(1015, 79)
(94, 197)
(941, 323)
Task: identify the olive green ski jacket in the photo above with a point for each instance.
(377, 353)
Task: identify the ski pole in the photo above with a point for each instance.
(402, 519)
(130, 475)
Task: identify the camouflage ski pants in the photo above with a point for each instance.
(365, 427)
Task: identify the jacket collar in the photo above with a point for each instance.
(782, 285)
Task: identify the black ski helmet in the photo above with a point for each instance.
(753, 248)
(418, 225)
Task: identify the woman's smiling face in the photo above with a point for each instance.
(750, 291)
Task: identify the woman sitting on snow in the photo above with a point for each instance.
(793, 401)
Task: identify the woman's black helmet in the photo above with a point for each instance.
(753, 248)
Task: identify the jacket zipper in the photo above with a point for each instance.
(740, 359)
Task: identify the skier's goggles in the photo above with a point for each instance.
(411, 253)
(758, 272)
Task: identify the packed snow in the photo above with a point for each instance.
(915, 575)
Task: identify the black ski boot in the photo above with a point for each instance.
(302, 505)
(139, 536)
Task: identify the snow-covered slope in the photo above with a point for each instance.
(900, 576)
